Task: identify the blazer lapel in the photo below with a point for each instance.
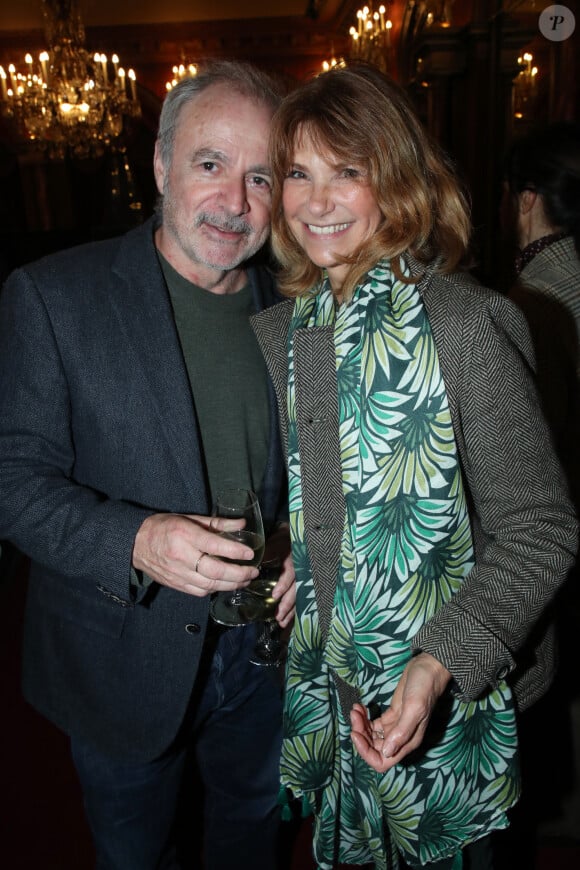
(145, 315)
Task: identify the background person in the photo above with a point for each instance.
(541, 220)
(131, 389)
(541, 214)
(429, 517)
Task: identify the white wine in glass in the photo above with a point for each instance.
(258, 604)
(250, 539)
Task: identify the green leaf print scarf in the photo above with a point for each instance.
(405, 551)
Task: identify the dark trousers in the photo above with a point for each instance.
(235, 735)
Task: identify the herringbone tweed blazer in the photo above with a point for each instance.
(555, 273)
(524, 527)
(548, 293)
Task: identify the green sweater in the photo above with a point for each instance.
(228, 379)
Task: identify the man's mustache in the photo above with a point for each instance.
(231, 224)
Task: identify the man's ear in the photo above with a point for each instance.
(158, 168)
(526, 201)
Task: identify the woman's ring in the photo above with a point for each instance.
(200, 557)
(379, 733)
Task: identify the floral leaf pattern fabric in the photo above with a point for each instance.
(406, 549)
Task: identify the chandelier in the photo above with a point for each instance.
(371, 37)
(524, 87)
(69, 101)
(181, 71)
(370, 40)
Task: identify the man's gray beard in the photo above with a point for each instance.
(235, 223)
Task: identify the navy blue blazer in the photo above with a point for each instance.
(97, 432)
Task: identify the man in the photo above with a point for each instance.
(131, 389)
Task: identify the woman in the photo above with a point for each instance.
(541, 211)
(426, 542)
(541, 214)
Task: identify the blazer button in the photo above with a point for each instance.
(502, 673)
(192, 628)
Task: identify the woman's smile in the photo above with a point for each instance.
(327, 230)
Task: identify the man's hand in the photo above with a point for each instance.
(182, 552)
(383, 742)
(278, 548)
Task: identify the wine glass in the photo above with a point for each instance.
(268, 651)
(260, 606)
(238, 504)
(257, 604)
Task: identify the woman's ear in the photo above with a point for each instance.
(532, 220)
(526, 201)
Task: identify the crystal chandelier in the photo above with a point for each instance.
(69, 101)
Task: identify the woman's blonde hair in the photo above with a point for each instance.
(365, 118)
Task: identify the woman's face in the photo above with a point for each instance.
(329, 207)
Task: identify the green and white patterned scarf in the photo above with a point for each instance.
(406, 549)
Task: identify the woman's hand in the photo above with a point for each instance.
(400, 730)
(278, 547)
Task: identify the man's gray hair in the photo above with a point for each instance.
(243, 78)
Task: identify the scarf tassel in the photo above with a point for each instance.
(284, 801)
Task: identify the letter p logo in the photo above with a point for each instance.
(557, 23)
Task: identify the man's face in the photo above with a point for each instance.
(216, 190)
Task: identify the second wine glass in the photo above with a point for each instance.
(242, 507)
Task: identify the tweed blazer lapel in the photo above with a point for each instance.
(271, 328)
(143, 309)
(437, 300)
(324, 507)
(319, 437)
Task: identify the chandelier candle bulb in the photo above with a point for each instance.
(43, 60)
(101, 61)
(133, 84)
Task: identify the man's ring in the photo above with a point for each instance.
(200, 557)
